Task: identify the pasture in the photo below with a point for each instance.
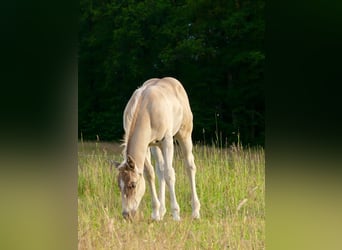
(231, 188)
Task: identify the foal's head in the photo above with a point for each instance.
(132, 187)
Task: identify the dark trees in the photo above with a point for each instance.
(215, 48)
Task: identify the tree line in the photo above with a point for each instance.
(214, 48)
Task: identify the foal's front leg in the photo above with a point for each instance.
(150, 176)
(169, 175)
(158, 156)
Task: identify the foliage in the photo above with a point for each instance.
(215, 48)
(232, 202)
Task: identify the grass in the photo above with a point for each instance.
(230, 186)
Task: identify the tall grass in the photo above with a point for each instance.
(231, 189)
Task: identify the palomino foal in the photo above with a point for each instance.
(157, 111)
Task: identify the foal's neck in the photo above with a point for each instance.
(137, 148)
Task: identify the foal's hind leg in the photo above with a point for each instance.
(149, 173)
(186, 146)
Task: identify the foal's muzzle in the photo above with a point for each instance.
(125, 215)
(128, 215)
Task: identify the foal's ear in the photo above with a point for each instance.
(130, 162)
(115, 164)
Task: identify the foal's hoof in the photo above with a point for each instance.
(156, 217)
(196, 216)
(176, 217)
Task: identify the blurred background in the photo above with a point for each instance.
(214, 48)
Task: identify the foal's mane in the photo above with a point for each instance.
(131, 111)
(131, 115)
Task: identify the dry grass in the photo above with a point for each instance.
(231, 188)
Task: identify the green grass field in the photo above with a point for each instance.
(230, 186)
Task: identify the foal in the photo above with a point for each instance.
(157, 112)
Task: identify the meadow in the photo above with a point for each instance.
(230, 186)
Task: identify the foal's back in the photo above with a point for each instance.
(163, 103)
